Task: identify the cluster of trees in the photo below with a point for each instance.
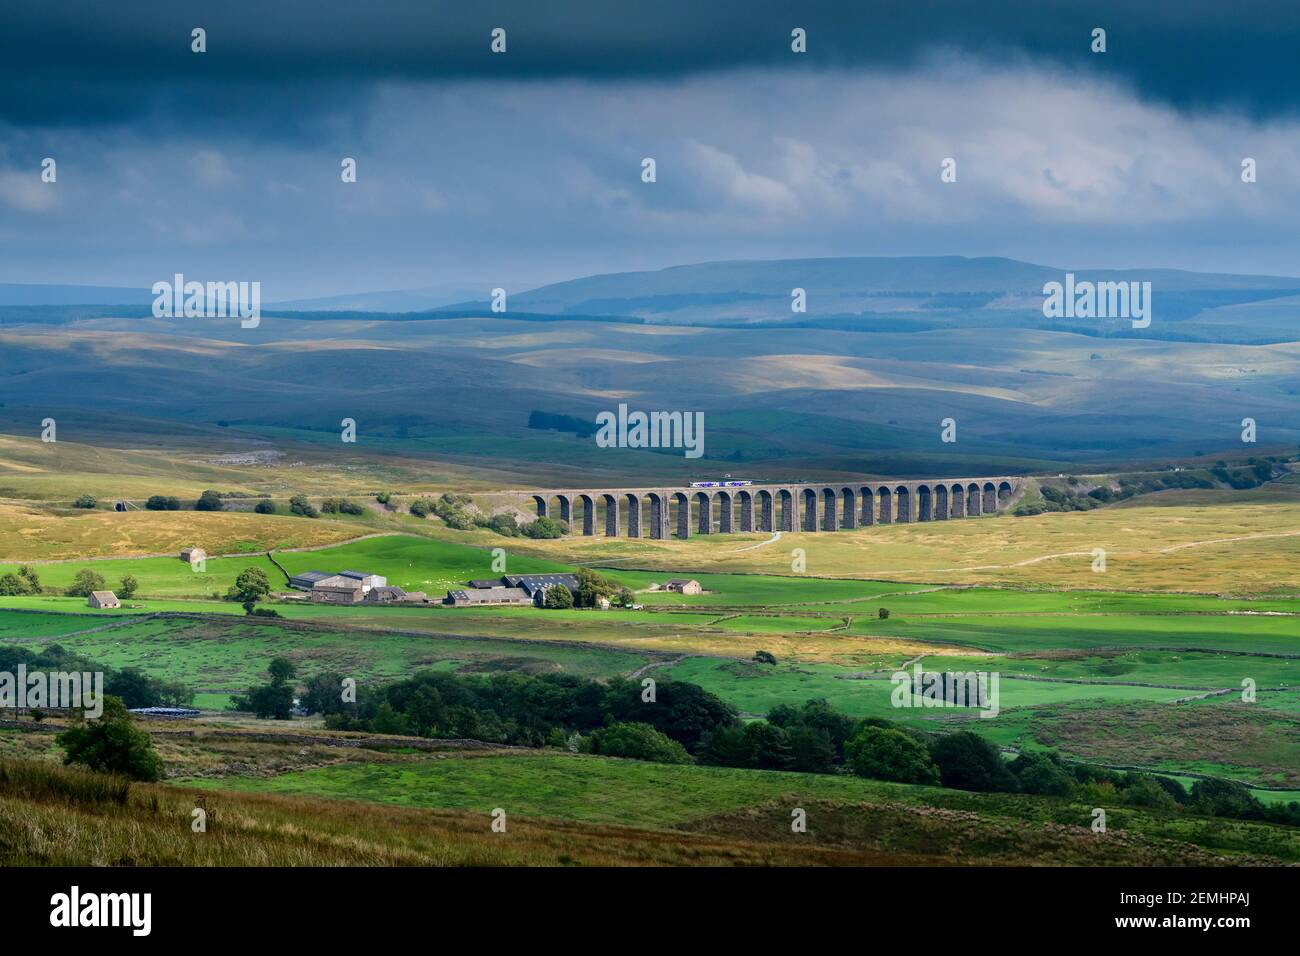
(209, 501)
(544, 527)
(592, 586)
(86, 580)
(1251, 477)
(26, 581)
(131, 685)
(163, 503)
(450, 508)
(527, 710)
(503, 524)
(342, 506)
(274, 699)
(453, 510)
(1255, 472)
(86, 501)
(816, 739)
(1047, 774)
(300, 506)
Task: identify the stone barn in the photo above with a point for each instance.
(685, 586)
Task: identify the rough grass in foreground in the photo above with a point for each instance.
(882, 817)
(53, 816)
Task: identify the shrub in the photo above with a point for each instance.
(504, 524)
(24, 582)
(111, 744)
(884, 753)
(265, 507)
(883, 613)
(636, 742)
(11, 585)
(764, 657)
(163, 503)
(209, 501)
(86, 501)
(299, 505)
(545, 528)
(558, 597)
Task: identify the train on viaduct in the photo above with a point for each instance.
(665, 512)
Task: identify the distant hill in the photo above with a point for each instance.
(13, 293)
(918, 294)
(401, 300)
(888, 349)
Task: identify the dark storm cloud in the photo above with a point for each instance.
(283, 64)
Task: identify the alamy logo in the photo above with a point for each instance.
(215, 300)
(103, 909)
(651, 430)
(923, 688)
(56, 690)
(1098, 300)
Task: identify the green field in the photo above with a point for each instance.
(413, 562)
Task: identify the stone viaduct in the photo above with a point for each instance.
(668, 512)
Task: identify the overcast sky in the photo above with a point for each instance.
(524, 167)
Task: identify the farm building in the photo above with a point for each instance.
(193, 555)
(103, 599)
(336, 589)
(392, 594)
(307, 580)
(510, 589)
(535, 583)
(685, 586)
(480, 596)
(365, 579)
